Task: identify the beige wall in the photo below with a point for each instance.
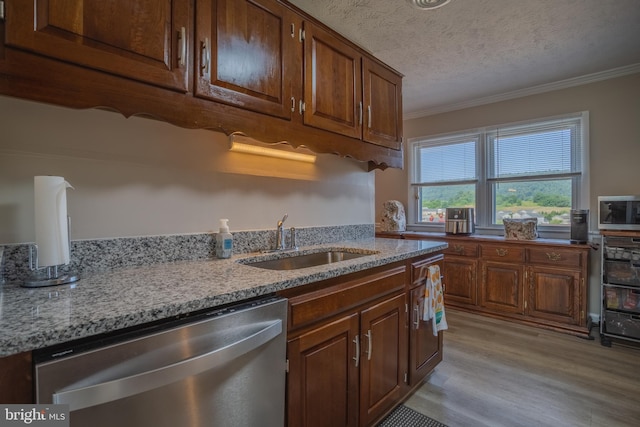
(614, 111)
(136, 176)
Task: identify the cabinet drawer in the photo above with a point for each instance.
(324, 303)
(503, 253)
(622, 272)
(626, 325)
(553, 256)
(622, 298)
(419, 269)
(462, 249)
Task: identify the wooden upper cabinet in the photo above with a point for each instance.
(382, 104)
(245, 54)
(261, 67)
(332, 83)
(145, 40)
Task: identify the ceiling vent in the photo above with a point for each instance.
(428, 4)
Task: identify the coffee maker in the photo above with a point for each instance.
(579, 225)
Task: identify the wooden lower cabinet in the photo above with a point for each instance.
(540, 282)
(502, 287)
(16, 379)
(461, 284)
(425, 349)
(352, 353)
(554, 295)
(383, 357)
(363, 351)
(322, 384)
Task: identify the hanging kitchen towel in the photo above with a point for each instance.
(434, 300)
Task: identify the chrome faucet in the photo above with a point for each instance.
(280, 234)
(281, 244)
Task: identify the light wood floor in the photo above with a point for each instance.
(495, 373)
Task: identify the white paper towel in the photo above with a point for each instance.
(51, 224)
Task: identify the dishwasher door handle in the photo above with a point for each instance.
(108, 391)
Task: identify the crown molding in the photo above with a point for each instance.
(534, 90)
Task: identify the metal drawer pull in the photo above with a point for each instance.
(182, 52)
(554, 256)
(369, 118)
(416, 319)
(368, 335)
(502, 252)
(356, 340)
(458, 249)
(205, 56)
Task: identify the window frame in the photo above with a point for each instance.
(485, 189)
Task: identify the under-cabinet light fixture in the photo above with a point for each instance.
(243, 144)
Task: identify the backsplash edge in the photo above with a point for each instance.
(90, 256)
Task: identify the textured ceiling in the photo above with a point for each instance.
(470, 52)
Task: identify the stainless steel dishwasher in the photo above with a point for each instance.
(222, 368)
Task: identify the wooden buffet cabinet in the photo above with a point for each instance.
(263, 68)
(539, 282)
(356, 344)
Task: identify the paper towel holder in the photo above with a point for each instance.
(49, 275)
(45, 276)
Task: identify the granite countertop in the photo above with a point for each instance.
(36, 318)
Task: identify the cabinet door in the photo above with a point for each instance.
(383, 357)
(502, 287)
(382, 103)
(332, 83)
(425, 349)
(323, 375)
(16, 379)
(245, 53)
(554, 294)
(460, 283)
(145, 40)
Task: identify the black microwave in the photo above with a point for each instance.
(619, 212)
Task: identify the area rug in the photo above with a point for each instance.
(403, 416)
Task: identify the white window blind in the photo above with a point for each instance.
(545, 149)
(447, 161)
(516, 170)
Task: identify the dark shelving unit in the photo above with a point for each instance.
(620, 286)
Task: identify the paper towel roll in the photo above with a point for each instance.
(51, 224)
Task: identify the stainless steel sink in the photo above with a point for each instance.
(297, 261)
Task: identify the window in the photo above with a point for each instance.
(525, 170)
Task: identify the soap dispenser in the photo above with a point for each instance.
(224, 240)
